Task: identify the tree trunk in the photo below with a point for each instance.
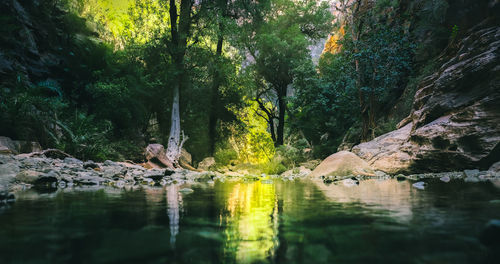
(213, 118)
(281, 116)
(177, 48)
(174, 139)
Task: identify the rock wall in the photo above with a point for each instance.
(455, 119)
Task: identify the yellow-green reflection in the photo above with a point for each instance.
(251, 220)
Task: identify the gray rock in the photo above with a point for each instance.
(471, 173)
(72, 161)
(186, 190)
(206, 163)
(445, 179)
(28, 176)
(495, 168)
(419, 185)
(90, 165)
(454, 123)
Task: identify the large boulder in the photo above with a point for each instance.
(343, 163)
(206, 163)
(455, 120)
(185, 157)
(156, 156)
(9, 146)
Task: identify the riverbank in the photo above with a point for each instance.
(22, 172)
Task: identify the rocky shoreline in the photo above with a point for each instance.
(22, 172)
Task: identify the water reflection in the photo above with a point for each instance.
(251, 220)
(174, 205)
(393, 197)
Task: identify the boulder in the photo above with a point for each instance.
(29, 176)
(495, 168)
(8, 172)
(9, 146)
(156, 156)
(342, 163)
(185, 157)
(386, 153)
(300, 171)
(455, 120)
(206, 163)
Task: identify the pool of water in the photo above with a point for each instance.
(267, 221)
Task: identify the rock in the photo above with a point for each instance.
(495, 168)
(69, 160)
(342, 163)
(206, 163)
(455, 121)
(186, 190)
(185, 157)
(310, 164)
(8, 172)
(91, 165)
(445, 179)
(28, 176)
(490, 236)
(9, 146)
(471, 173)
(169, 172)
(384, 153)
(350, 182)
(419, 185)
(296, 172)
(155, 154)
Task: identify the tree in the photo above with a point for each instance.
(278, 43)
(180, 26)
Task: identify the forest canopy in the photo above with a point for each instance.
(235, 79)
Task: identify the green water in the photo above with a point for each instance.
(378, 221)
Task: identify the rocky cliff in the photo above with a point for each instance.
(455, 119)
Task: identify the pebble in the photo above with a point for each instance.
(186, 190)
(419, 185)
(445, 179)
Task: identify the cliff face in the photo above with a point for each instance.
(455, 119)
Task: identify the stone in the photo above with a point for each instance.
(156, 157)
(186, 190)
(350, 182)
(471, 173)
(206, 163)
(419, 185)
(185, 157)
(296, 172)
(454, 123)
(69, 160)
(29, 176)
(495, 168)
(445, 179)
(91, 165)
(8, 146)
(311, 164)
(8, 172)
(342, 163)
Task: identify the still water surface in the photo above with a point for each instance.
(377, 221)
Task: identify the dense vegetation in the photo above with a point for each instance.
(101, 79)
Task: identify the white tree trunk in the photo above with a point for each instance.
(174, 139)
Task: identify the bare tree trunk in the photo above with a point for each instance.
(174, 139)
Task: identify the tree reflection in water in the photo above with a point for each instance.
(251, 220)
(174, 205)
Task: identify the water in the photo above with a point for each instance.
(253, 222)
